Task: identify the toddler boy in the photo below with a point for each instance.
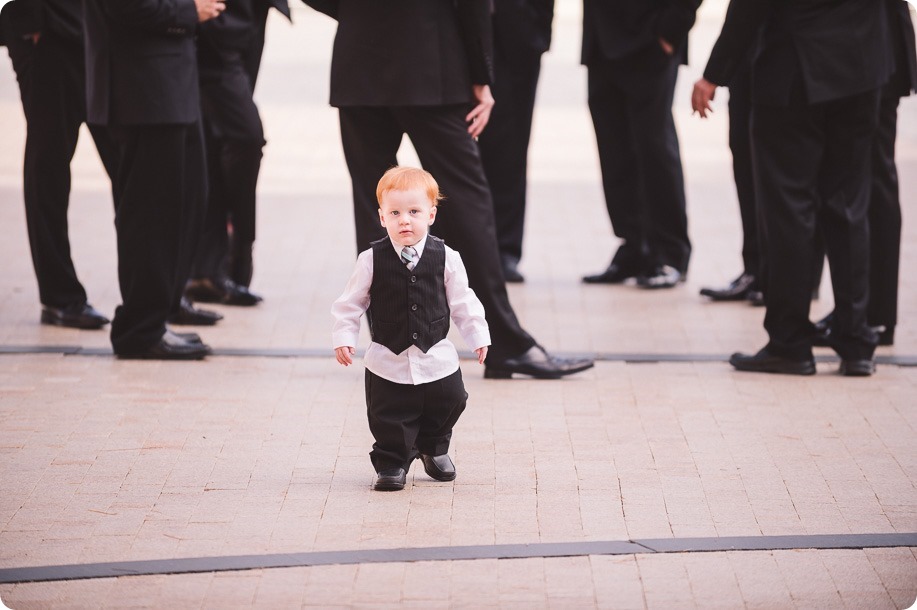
(410, 284)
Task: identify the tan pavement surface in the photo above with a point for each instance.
(107, 461)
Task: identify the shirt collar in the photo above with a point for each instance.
(418, 246)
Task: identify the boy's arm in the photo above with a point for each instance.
(465, 309)
(350, 306)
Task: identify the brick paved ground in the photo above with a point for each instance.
(105, 461)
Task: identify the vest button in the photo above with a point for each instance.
(414, 336)
(414, 307)
(413, 278)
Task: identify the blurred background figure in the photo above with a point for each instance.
(45, 43)
(884, 202)
(522, 33)
(815, 98)
(142, 84)
(632, 50)
(229, 58)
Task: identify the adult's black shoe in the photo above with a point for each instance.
(538, 363)
(510, 270)
(188, 315)
(663, 276)
(74, 316)
(857, 367)
(439, 467)
(170, 347)
(886, 335)
(737, 290)
(614, 274)
(766, 362)
(390, 479)
(823, 331)
(225, 291)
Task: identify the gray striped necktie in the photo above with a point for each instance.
(409, 257)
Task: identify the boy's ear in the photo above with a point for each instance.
(381, 218)
(433, 214)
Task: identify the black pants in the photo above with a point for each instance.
(884, 219)
(409, 419)
(812, 170)
(630, 100)
(161, 193)
(505, 143)
(234, 140)
(465, 220)
(52, 85)
(740, 146)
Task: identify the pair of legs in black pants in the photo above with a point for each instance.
(52, 85)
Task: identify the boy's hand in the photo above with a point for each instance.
(482, 354)
(344, 353)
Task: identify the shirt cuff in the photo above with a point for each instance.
(341, 339)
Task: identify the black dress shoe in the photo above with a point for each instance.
(857, 367)
(74, 316)
(191, 316)
(737, 290)
(537, 363)
(225, 291)
(765, 362)
(614, 274)
(510, 271)
(170, 347)
(663, 276)
(756, 298)
(390, 479)
(886, 335)
(439, 467)
(823, 331)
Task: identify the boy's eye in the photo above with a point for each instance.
(395, 212)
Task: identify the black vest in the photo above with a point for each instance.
(408, 307)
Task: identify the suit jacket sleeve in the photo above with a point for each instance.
(329, 7)
(676, 20)
(744, 19)
(169, 17)
(476, 28)
(24, 16)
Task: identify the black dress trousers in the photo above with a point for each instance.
(812, 169)
(407, 419)
(160, 192)
(630, 100)
(52, 85)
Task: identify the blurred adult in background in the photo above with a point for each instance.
(522, 33)
(45, 43)
(884, 202)
(815, 92)
(229, 58)
(142, 84)
(632, 50)
(424, 68)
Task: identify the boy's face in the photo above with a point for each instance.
(406, 215)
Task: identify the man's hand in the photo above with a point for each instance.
(480, 114)
(667, 48)
(482, 354)
(343, 354)
(209, 9)
(702, 97)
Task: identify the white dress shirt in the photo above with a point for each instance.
(411, 366)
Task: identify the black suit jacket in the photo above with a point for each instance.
(63, 17)
(613, 29)
(223, 39)
(404, 52)
(141, 62)
(524, 26)
(832, 48)
(905, 79)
